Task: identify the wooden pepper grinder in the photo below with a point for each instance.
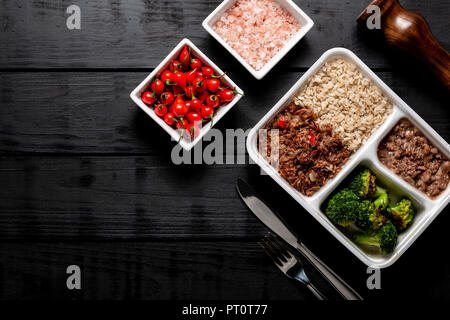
(409, 32)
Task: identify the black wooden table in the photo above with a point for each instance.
(87, 179)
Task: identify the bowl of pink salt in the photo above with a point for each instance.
(258, 33)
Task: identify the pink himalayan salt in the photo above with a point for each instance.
(256, 29)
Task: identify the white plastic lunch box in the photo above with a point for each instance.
(366, 156)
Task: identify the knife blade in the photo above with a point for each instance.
(273, 221)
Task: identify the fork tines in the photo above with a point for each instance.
(275, 249)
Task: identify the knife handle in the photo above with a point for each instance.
(340, 285)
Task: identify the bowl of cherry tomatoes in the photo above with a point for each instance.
(186, 94)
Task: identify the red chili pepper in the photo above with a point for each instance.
(202, 96)
(149, 97)
(184, 56)
(193, 130)
(282, 123)
(188, 105)
(212, 101)
(200, 84)
(157, 86)
(196, 105)
(196, 63)
(194, 117)
(312, 138)
(179, 107)
(191, 75)
(226, 95)
(166, 76)
(213, 85)
(169, 118)
(175, 66)
(190, 91)
(167, 98)
(180, 79)
(160, 110)
(207, 112)
(207, 72)
(181, 123)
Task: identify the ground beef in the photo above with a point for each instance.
(309, 155)
(408, 153)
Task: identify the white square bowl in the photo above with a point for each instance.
(305, 25)
(427, 209)
(136, 94)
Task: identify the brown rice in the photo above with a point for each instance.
(342, 97)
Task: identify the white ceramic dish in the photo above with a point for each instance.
(305, 25)
(366, 156)
(137, 93)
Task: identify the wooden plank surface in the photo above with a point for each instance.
(198, 270)
(87, 177)
(143, 32)
(91, 112)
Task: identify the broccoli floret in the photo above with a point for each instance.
(382, 201)
(363, 185)
(341, 208)
(368, 217)
(384, 238)
(402, 214)
(379, 191)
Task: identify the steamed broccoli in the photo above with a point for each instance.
(402, 214)
(368, 217)
(382, 201)
(384, 238)
(342, 207)
(363, 185)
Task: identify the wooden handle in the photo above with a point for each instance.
(410, 32)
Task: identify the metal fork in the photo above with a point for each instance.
(290, 265)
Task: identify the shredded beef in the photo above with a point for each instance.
(309, 155)
(408, 153)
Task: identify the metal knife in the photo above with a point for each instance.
(278, 226)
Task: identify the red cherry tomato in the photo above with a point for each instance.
(193, 130)
(207, 72)
(200, 75)
(181, 123)
(188, 105)
(184, 57)
(194, 117)
(167, 98)
(149, 97)
(213, 85)
(160, 110)
(226, 95)
(179, 107)
(282, 123)
(180, 79)
(196, 105)
(157, 86)
(212, 101)
(207, 112)
(166, 76)
(169, 118)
